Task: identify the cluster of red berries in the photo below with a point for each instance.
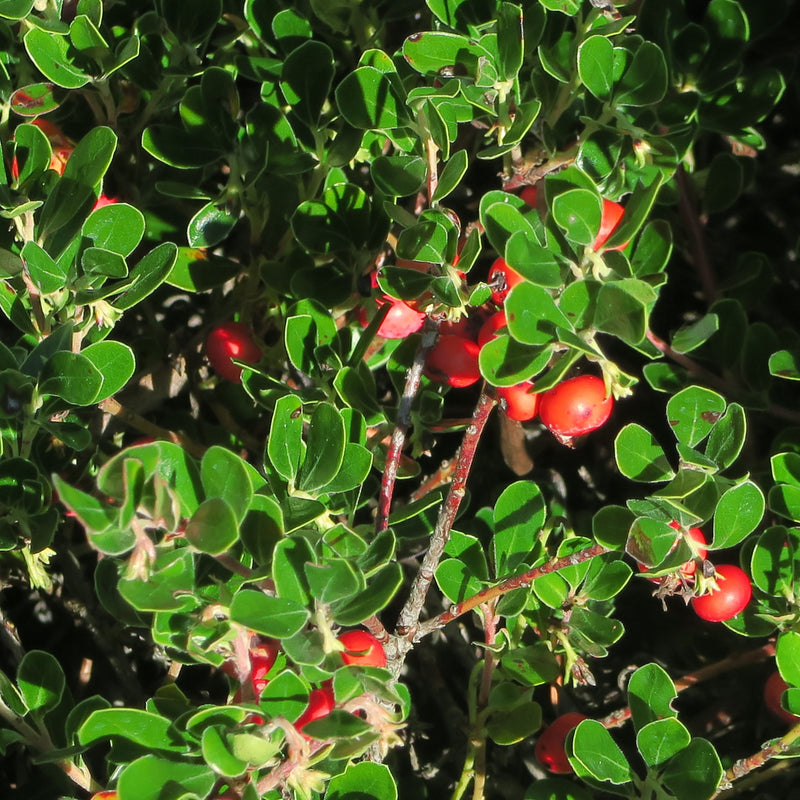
(360, 648)
(61, 149)
(733, 590)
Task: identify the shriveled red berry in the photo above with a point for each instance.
(227, 341)
(363, 649)
(454, 361)
(502, 279)
(575, 406)
(732, 597)
(520, 402)
(612, 214)
(549, 749)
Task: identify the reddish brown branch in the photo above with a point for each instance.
(506, 586)
(409, 616)
(429, 335)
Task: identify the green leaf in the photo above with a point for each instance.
(623, 309)
(213, 527)
(650, 695)
(306, 80)
(288, 568)
(534, 262)
(226, 476)
(324, 449)
(661, 739)
(509, 40)
(15, 9)
(644, 82)
(333, 579)
(145, 728)
(118, 227)
(454, 170)
(399, 175)
(693, 412)
(739, 511)
(153, 777)
(640, 457)
(578, 212)
(210, 225)
(532, 665)
(695, 772)
(533, 316)
(147, 275)
(216, 754)
(519, 514)
(285, 444)
(596, 66)
(174, 146)
(787, 655)
(380, 591)
(41, 681)
(72, 377)
(115, 363)
(686, 339)
(367, 98)
(277, 617)
(47, 274)
(785, 364)
(510, 726)
(596, 754)
(53, 55)
(456, 580)
(727, 437)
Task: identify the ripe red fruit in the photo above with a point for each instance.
(520, 402)
(575, 406)
(227, 341)
(549, 750)
(454, 361)
(362, 649)
(774, 687)
(502, 279)
(489, 328)
(106, 794)
(733, 595)
(262, 658)
(529, 195)
(612, 214)
(320, 703)
(401, 320)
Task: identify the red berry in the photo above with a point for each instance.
(262, 659)
(529, 195)
(489, 328)
(733, 595)
(575, 406)
(773, 689)
(107, 794)
(320, 703)
(502, 279)
(401, 320)
(612, 214)
(454, 361)
(549, 750)
(227, 341)
(363, 649)
(520, 402)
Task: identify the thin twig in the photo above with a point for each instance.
(506, 586)
(691, 219)
(430, 333)
(409, 616)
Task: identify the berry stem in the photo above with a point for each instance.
(506, 586)
(409, 617)
(430, 333)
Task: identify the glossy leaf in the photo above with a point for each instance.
(277, 617)
(598, 755)
(41, 681)
(640, 457)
